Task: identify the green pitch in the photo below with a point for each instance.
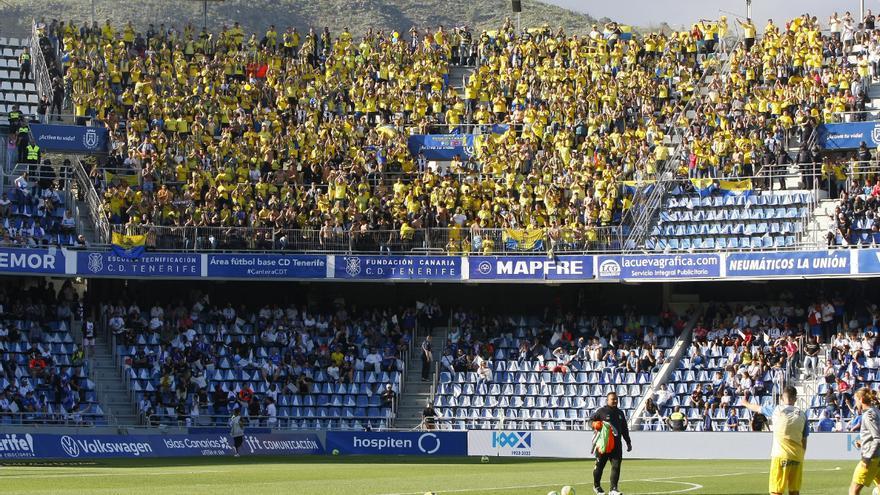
(401, 475)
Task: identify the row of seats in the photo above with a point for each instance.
(12, 99)
(756, 221)
(782, 198)
(740, 228)
(17, 86)
(572, 399)
(760, 242)
(14, 43)
(523, 413)
(726, 214)
(11, 75)
(231, 375)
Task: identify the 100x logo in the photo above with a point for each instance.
(513, 439)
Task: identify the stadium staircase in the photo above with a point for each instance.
(113, 394)
(808, 386)
(646, 208)
(679, 350)
(823, 219)
(417, 393)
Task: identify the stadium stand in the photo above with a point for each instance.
(532, 372)
(298, 142)
(850, 363)
(286, 367)
(748, 221)
(44, 376)
(16, 91)
(855, 217)
(35, 212)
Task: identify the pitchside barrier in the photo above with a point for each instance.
(763, 265)
(523, 444)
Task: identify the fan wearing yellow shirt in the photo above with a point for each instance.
(790, 431)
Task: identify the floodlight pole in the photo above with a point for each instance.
(861, 10)
(93, 11)
(749, 9)
(205, 14)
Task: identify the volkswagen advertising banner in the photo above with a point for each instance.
(47, 446)
(530, 268)
(535, 443)
(436, 443)
(70, 138)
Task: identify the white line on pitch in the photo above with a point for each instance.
(670, 478)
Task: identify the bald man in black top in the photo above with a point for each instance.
(611, 414)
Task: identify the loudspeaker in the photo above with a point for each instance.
(516, 5)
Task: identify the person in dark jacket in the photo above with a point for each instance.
(610, 413)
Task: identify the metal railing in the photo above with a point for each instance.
(428, 240)
(94, 203)
(39, 69)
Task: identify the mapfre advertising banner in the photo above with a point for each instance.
(536, 443)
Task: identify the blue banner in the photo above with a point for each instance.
(171, 265)
(267, 266)
(849, 135)
(660, 267)
(869, 261)
(49, 261)
(788, 263)
(70, 138)
(442, 147)
(398, 267)
(51, 446)
(439, 443)
(530, 268)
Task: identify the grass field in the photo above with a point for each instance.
(401, 475)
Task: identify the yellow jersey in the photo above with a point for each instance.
(790, 430)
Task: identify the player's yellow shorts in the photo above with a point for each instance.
(865, 475)
(785, 475)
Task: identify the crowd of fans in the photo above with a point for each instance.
(851, 363)
(289, 130)
(750, 352)
(780, 86)
(34, 212)
(181, 349)
(559, 341)
(38, 385)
